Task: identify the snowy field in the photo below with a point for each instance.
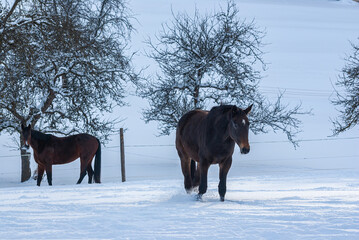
(274, 192)
(256, 208)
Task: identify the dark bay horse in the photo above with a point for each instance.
(50, 150)
(209, 137)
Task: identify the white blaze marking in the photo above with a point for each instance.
(244, 122)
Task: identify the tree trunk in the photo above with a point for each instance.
(197, 88)
(196, 95)
(25, 162)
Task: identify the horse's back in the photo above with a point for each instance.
(189, 131)
(75, 140)
(73, 147)
(84, 138)
(83, 142)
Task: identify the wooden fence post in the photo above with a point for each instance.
(122, 148)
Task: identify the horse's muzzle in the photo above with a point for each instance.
(244, 150)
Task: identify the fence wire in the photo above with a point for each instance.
(173, 145)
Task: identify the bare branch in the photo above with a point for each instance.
(348, 102)
(63, 64)
(207, 60)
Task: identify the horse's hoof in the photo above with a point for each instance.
(222, 199)
(189, 190)
(199, 197)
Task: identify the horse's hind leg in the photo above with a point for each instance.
(90, 172)
(82, 175)
(196, 177)
(83, 169)
(40, 173)
(186, 170)
(49, 173)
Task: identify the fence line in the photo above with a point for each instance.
(254, 142)
(172, 145)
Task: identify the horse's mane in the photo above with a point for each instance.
(221, 109)
(40, 136)
(215, 116)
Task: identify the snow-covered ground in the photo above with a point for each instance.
(256, 208)
(274, 192)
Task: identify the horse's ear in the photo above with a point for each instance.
(23, 126)
(248, 109)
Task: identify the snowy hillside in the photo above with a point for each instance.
(274, 192)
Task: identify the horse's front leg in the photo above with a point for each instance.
(204, 165)
(223, 171)
(49, 173)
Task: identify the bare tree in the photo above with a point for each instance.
(63, 65)
(348, 103)
(207, 60)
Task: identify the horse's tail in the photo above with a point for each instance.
(98, 163)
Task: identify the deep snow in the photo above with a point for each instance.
(274, 192)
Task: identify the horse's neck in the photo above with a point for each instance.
(34, 144)
(35, 139)
(218, 130)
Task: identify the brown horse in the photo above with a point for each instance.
(50, 150)
(209, 137)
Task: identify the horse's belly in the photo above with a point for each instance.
(64, 159)
(192, 152)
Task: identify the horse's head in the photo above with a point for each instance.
(239, 126)
(26, 133)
